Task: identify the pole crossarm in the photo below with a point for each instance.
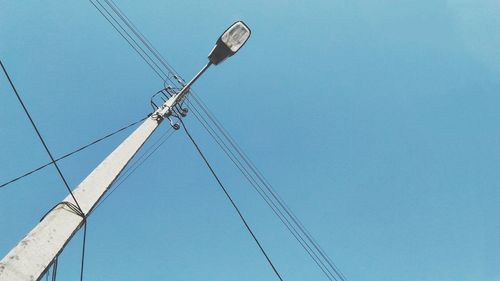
(32, 257)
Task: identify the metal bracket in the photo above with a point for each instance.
(172, 105)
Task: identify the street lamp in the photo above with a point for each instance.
(39, 249)
(227, 45)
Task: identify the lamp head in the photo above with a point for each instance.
(229, 42)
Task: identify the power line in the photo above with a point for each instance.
(257, 187)
(231, 200)
(54, 270)
(124, 37)
(134, 30)
(147, 43)
(270, 189)
(234, 152)
(72, 152)
(53, 162)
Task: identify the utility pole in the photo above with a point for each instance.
(36, 252)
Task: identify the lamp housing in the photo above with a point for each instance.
(229, 42)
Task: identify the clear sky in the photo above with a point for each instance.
(376, 121)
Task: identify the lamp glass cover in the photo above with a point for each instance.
(236, 36)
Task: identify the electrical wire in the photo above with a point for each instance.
(127, 22)
(54, 269)
(53, 162)
(257, 187)
(73, 152)
(262, 193)
(110, 21)
(122, 30)
(147, 43)
(231, 200)
(310, 240)
(83, 248)
(270, 189)
(246, 167)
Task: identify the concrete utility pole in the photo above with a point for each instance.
(33, 256)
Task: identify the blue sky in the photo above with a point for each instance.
(375, 120)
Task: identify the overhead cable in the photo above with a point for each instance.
(233, 151)
(257, 187)
(53, 161)
(73, 152)
(125, 35)
(247, 226)
(292, 217)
